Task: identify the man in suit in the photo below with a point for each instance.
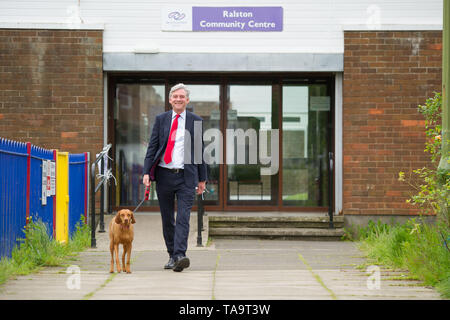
(174, 161)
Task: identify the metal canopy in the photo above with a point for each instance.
(224, 62)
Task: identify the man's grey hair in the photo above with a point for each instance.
(177, 87)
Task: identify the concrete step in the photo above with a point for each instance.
(277, 233)
(275, 226)
(239, 221)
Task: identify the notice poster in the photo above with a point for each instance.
(44, 182)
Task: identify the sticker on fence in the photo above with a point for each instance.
(48, 180)
(52, 178)
(44, 182)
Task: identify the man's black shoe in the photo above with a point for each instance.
(181, 263)
(170, 264)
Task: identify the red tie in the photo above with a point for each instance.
(171, 142)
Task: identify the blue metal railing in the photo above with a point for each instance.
(78, 184)
(13, 201)
(23, 187)
(46, 213)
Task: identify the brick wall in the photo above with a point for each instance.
(51, 88)
(386, 76)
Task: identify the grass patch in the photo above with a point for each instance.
(317, 277)
(209, 242)
(213, 296)
(417, 247)
(297, 197)
(91, 294)
(38, 250)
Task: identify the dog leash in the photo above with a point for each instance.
(147, 194)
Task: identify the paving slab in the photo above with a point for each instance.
(224, 269)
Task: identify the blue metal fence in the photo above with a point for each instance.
(23, 187)
(77, 189)
(37, 209)
(13, 200)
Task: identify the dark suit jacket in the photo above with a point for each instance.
(195, 170)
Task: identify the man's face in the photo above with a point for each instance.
(179, 100)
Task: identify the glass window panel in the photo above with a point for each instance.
(135, 111)
(249, 110)
(306, 140)
(205, 102)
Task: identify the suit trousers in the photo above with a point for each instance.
(171, 185)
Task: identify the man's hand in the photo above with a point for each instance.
(146, 180)
(201, 187)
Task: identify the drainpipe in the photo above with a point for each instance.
(444, 163)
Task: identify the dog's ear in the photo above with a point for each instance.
(117, 219)
(132, 218)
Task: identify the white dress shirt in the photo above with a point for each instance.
(178, 149)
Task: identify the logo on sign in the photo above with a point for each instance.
(177, 16)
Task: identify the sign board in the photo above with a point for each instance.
(232, 115)
(320, 103)
(52, 178)
(48, 187)
(224, 19)
(215, 115)
(48, 180)
(44, 182)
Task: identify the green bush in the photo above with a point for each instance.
(432, 184)
(420, 248)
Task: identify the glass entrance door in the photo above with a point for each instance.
(249, 119)
(306, 143)
(135, 109)
(266, 141)
(205, 102)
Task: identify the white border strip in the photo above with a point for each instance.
(391, 27)
(338, 144)
(53, 26)
(105, 129)
(105, 109)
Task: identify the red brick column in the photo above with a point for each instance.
(51, 88)
(386, 76)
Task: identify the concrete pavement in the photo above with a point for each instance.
(222, 270)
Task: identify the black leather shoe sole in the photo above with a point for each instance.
(181, 264)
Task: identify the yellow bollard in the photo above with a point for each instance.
(62, 197)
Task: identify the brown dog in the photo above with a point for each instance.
(121, 231)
